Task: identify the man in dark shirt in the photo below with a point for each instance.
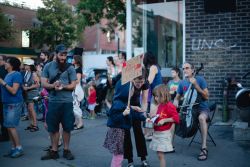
(44, 57)
(3, 72)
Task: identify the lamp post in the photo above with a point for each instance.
(117, 37)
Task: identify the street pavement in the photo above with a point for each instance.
(86, 145)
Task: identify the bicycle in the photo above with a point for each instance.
(40, 107)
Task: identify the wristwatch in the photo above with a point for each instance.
(5, 84)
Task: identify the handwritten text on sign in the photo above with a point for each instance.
(132, 69)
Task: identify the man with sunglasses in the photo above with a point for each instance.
(199, 85)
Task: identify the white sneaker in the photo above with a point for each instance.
(144, 163)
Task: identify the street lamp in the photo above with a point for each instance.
(117, 38)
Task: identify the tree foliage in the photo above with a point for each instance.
(92, 11)
(58, 25)
(6, 30)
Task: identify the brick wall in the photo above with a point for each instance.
(221, 42)
(22, 21)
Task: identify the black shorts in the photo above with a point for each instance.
(60, 113)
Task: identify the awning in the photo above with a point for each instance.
(18, 51)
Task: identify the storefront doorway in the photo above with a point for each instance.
(157, 26)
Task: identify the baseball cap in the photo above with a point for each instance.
(61, 48)
(28, 62)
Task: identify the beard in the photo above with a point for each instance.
(61, 65)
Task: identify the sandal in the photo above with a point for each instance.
(29, 127)
(203, 155)
(78, 128)
(34, 128)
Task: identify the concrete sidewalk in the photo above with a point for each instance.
(86, 145)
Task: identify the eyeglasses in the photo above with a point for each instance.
(185, 68)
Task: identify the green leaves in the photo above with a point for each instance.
(58, 25)
(92, 11)
(6, 30)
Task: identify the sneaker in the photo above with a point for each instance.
(9, 153)
(144, 163)
(131, 164)
(50, 155)
(18, 152)
(68, 155)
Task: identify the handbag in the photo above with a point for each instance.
(78, 92)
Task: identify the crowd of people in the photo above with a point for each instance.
(60, 85)
(161, 102)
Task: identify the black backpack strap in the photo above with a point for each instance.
(59, 73)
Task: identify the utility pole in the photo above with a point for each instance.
(118, 42)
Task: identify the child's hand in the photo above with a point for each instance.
(126, 111)
(161, 122)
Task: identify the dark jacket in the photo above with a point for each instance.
(115, 117)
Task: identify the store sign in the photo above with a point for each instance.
(131, 69)
(25, 39)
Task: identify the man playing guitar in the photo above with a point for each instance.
(200, 86)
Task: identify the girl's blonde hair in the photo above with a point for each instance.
(162, 92)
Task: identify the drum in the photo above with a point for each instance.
(243, 98)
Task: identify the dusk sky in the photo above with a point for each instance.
(33, 4)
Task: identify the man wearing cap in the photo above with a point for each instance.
(60, 79)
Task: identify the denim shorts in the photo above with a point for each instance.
(60, 113)
(12, 114)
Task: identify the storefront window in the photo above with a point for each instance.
(157, 26)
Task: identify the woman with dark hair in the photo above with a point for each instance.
(30, 87)
(52, 56)
(154, 79)
(154, 75)
(78, 93)
(12, 103)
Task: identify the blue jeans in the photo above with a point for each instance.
(12, 114)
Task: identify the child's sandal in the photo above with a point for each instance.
(29, 127)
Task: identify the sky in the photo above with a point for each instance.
(33, 4)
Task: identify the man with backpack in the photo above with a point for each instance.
(59, 78)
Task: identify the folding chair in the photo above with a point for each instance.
(212, 107)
